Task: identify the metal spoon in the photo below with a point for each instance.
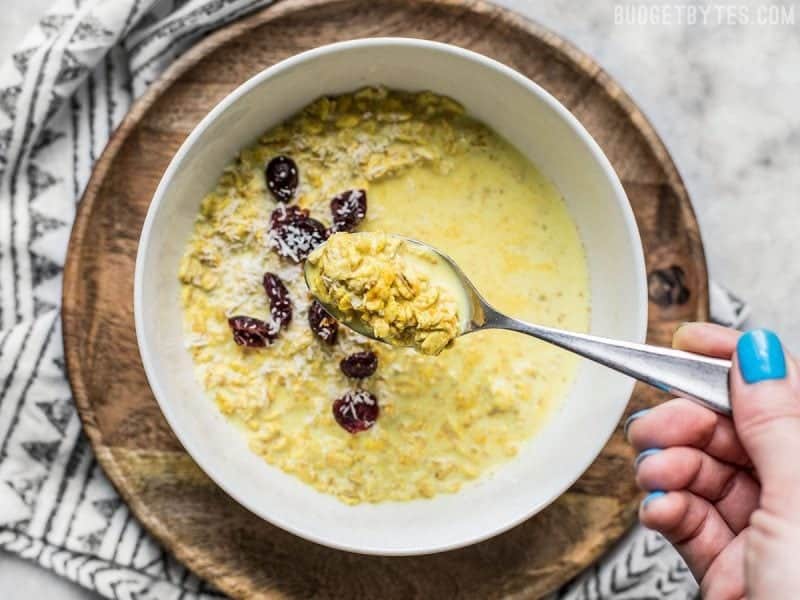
(693, 376)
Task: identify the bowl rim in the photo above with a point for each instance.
(193, 448)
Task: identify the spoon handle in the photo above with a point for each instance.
(693, 376)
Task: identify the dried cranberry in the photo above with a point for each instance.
(297, 239)
(282, 178)
(356, 411)
(359, 365)
(668, 286)
(322, 324)
(250, 332)
(349, 209)
(287, 214)
(280, 305)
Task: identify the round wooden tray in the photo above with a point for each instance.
(235, 550)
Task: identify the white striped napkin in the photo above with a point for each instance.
(61, 95)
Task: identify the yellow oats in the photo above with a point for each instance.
(430, 173)
(347, 121)
(426, 490)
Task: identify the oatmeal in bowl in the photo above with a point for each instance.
(413, 424)
(334, 436)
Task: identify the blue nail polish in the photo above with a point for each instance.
(760, 356)
(644, 454)
(652, 496)
(632, 418)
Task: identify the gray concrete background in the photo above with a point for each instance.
(725, 99)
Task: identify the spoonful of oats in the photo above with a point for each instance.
(406, 293)
(390, 288)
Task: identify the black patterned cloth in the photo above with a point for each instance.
(61, 95)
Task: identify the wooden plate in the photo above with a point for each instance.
(212, 534)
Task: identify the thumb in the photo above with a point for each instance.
(765, 396)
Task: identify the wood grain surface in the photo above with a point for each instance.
(235, 550)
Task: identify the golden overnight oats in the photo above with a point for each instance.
(391, 286)
(352, 417)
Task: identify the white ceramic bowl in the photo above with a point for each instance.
(536, 124)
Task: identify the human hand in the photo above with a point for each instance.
(726, 492)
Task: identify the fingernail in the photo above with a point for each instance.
(632, 418)
(644, 454)
(655, 494)
(760, 356)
